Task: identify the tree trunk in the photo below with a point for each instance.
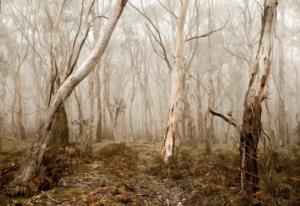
(147, 106)
(176, 86)
(18, 107)
(60, 129)
(209, 129)
(98, 119)
(200, 118)
(282, 113)
(107, 106)
(39, 146)
(271, 127)
(80, 115)
(89, 137)
(131, 111)
(2, 110)
(252, 126)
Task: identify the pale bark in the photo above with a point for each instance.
(107, 109)
(39, 147)
(97, 130)
(131, 108)
(144, 82)
(200, 118)
(176, 87)
(271, 127)
(91, 107)
(80, 115)
(283, 133)
(18, 108)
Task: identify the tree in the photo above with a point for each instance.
(17, 112)
(283, 133)
(209, 128)
(176, 87)
(38, 148)
(251, 128)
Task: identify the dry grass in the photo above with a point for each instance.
(134, 174)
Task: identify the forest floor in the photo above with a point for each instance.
(134, 174)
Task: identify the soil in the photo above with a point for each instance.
(134, 174)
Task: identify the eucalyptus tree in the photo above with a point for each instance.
(176, 86)
(71, 80)
(250, 130)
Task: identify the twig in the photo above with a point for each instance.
(206, 34)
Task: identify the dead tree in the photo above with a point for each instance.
(38, 148)
(251, 128)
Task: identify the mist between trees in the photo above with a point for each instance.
(188, 72)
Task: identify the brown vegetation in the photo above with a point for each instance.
(135, 174)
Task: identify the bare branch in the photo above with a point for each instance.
(167, 9)
(156, 35)
(229, 120)
(206, 34)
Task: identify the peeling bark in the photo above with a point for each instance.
(252, 126)
(176, 86)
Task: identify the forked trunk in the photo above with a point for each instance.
(39, 146)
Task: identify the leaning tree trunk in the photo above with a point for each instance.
(39, 146)
(252, 126)
(176, 85)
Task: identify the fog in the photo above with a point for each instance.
(131, 92)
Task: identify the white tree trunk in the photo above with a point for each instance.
(176, 87)
(38, 148)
